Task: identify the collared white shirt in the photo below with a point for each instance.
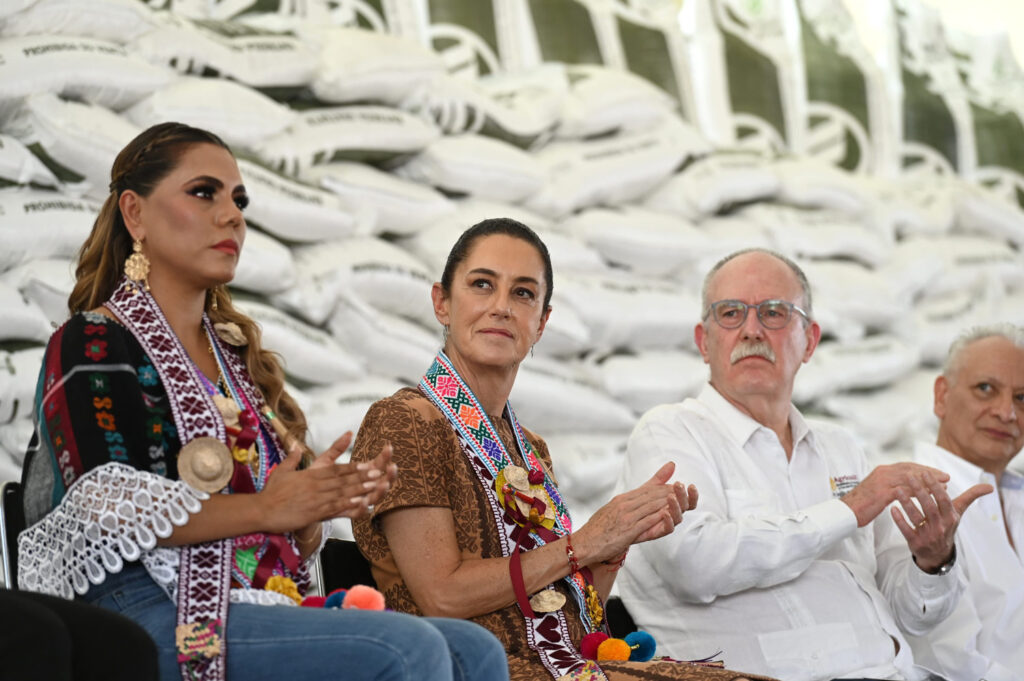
(984, 637)
(770, 568)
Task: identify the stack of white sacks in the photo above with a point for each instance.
(368, 140)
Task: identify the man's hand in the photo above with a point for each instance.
(932, 520)
(883, 486)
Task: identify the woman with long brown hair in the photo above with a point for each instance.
(168, 480)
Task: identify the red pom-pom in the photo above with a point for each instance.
(363, 597)
(613, 649)
(536, 477)
(314, 601)
(590, 642)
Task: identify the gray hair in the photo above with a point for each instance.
(797, 272)
(1011, 332)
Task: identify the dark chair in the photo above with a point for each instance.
(12, 522)
(620, 622)
(344, 566)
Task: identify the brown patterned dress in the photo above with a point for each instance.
(433, 471)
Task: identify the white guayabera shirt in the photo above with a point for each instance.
(984, 637)
(770, 568)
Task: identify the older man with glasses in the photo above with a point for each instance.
(789, 565)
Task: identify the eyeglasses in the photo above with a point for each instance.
(773, 314)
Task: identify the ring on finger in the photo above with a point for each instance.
(922, 524)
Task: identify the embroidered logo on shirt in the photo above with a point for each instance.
(841, 484)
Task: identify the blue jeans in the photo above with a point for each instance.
(278, 643)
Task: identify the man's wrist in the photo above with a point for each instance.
(942, 569)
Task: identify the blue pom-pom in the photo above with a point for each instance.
(642, 644)
(335, 598)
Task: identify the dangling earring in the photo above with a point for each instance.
(444, 335)
(213, 298)
(136, 268)
(531, 349)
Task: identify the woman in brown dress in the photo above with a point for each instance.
(474, 527)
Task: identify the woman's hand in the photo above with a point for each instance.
(648, 512)
(295, 498)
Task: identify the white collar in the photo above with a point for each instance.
(742, 427)
(962, 470)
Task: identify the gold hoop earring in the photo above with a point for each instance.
(136, 268)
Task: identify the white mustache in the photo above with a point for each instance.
(752, 349)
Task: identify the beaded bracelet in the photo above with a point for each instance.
(574, 565)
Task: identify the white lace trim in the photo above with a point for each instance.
(113, 513)
(260, 597)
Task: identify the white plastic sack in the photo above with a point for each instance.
(981, 211)
(649, 243)
(294, 211)
(550, 403)
(40, 224)
(379, 273)
(339, 408)
(565, 333)
(20, 166)
(19, 371)
(229, 50)
(23, 320)
(95, 71)
(630, 312)
(265, 265)
(79, 140)
(364, 66)
(399, 206)
(603, 100)
(917, 205)
(647, 379)
(854, 292)
(388, 345)
(820, 233)
(614, 170)
(522, 109)
(307, 353)
(568, 254)
(873, 362)
(816, 184)
(710, 184)
(119, 21)
(355, 133)
(47, 282)
(14, 6)
(14, 439)
(727, 234)
(586, 464)
(938, 320)
(478, 166)
(969, 262)
(238, 114)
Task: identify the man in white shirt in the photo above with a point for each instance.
(788, 565)
(979, 399)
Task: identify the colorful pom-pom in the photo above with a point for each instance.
(363, 597)
(314, 601)
(335, 598)
(642, 646)
(590, 642)
(536, 476)
(285, 586)
(613, 649)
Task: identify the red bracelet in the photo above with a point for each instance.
(574, 565)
